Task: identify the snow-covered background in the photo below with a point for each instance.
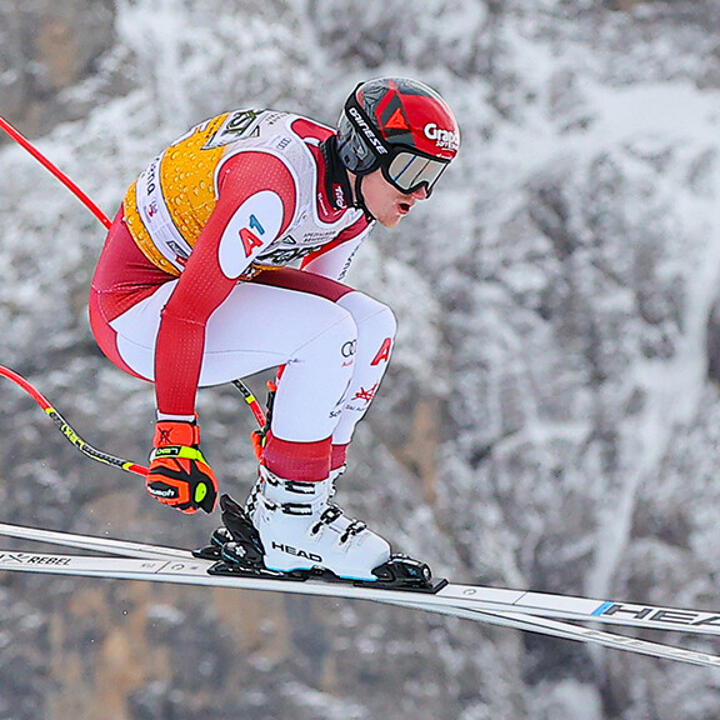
(552, 415)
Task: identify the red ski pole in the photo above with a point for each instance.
(68, 431)
(55, 170)
(39, 398)
(89, 450)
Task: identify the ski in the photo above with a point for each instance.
(188, 570)
(475, 598)
(472, 597)
(93, 543)
(579, 633)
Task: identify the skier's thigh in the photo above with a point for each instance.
(256, 327)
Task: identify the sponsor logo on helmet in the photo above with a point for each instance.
(367, 131)
(443, 138)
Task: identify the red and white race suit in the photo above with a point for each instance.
(198, 283)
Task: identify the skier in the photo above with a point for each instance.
(195, 286)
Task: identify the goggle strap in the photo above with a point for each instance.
(362, 123)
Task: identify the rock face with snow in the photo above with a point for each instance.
(47, 49)
(551, 417)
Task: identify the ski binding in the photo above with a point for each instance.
(238, 550)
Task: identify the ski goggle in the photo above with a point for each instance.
(409, 171)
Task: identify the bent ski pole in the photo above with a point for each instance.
(66, 429)
(253, 404)
(92, 452)
(59, 174)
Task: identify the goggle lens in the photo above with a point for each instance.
(408, 171)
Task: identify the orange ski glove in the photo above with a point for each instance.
(179, 475)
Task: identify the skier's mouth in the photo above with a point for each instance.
(404, 208)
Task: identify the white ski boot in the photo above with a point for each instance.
(289, 530)
(300, 529)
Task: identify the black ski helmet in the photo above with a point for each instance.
(401, 126)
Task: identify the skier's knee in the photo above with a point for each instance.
(337, 337)
(370, 314)
(384, 320)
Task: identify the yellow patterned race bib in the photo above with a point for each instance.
(167, 207)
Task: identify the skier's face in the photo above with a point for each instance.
(386, 203)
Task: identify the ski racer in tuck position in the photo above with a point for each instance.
(227, 258)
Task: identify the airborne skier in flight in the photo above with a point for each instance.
(239, 544)
(196, 286)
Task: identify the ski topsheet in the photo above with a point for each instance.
(518, 609)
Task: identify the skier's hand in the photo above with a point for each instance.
(179, 476)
